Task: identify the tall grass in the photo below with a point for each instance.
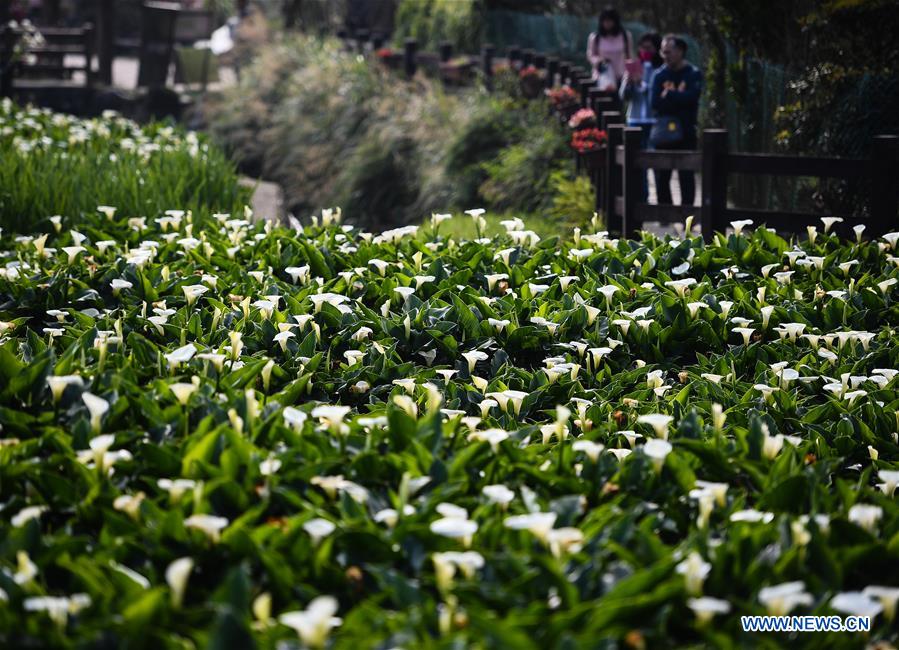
(335, 129)
(52, 164)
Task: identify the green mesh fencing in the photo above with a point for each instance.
(758, 89)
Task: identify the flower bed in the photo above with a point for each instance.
(257, 434)
(53, 164)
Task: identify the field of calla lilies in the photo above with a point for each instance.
(217, 432)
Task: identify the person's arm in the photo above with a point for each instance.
(689, 96)
(628, 87)
(593, 50)
(656, 101)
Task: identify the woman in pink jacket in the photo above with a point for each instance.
(607, 50)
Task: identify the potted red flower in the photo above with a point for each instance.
(531, 82)
(392, 59)
(584, 118)
(565, 101)
(589, 143)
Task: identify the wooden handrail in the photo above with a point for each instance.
(781, 165)
(659, 159)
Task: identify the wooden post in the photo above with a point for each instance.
(612, 174)
(552, 68)
(377, 41)
(564, 70)
(514, 55)
(410, 45)
(50, 13)
(527, 58)
(446, 51)
(290, 9)
(89, 37)
(487, 53)
(540, 61)
(362, 36)
(632, 187)
(884, 180)
(105, 40)
(7, 42)
(714, 181)
(584, 86)
(594, 97)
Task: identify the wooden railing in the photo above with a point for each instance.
(46, 61)
(621, 191)
(558, 72)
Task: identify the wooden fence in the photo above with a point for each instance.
(621, 183)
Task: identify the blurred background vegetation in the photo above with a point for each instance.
(806, 76)
(336, 129)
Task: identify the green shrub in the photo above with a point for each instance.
(480, 140)
(574, 198)
(381, 181)
(519, 178)
(306, 113)
(458, 21)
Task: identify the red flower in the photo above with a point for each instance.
(584, 117)
(563, 97)
(529, 72)
(589, 140)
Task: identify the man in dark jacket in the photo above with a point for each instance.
(676, 87)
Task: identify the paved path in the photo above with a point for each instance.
(125, 71)
(268, 199)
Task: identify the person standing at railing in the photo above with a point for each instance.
(635, 87)
(674, 97)
(607, 50)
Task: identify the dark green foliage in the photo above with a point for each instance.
(381, 182)
(519, 178)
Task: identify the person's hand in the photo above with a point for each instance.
(626, 79)
(666, 87)
(682, 86)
